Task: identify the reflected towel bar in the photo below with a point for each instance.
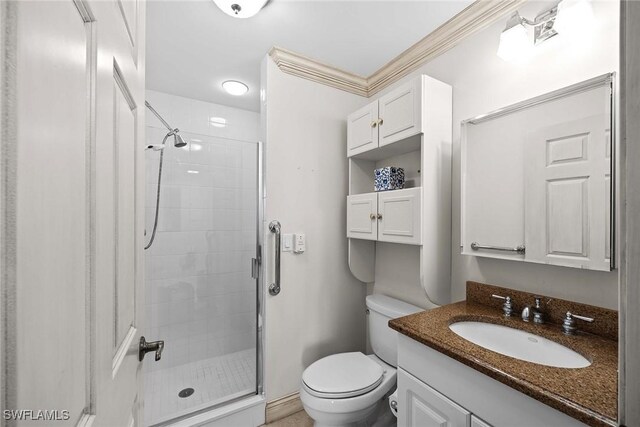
(519, 249)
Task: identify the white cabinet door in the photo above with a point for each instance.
(421, 406)
(477, 422)
(400, 220)
(565, 201)
(362, 129)
(361, 216)
(400, 113)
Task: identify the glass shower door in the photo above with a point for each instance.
(200, 294)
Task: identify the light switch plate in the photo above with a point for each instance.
(287, 242)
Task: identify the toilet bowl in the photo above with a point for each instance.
(350, 389)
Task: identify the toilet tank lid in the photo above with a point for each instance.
(390, 307)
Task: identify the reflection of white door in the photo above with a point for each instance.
(71, 208)
(566, 197)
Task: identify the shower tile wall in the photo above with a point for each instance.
(200, 297)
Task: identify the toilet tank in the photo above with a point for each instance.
(384, 340)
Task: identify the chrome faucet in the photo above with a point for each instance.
(569, 323)
(507, 307)
(538, 314)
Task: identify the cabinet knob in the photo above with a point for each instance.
(374, 124)
(372, 216)
(380, 121)
(379, 216)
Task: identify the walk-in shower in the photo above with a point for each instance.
(201, 297)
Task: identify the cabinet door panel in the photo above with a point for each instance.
(421, 406)
(400, 113)
(360, 224)
(400, 222)
(362, 130)
(565, 202)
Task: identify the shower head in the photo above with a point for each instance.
(178, 141)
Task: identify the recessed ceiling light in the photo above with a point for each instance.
(235, 88)
(240, 8)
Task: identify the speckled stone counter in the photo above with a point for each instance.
(587, 394)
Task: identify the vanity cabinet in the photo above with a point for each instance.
(436, 390)
(390, 216)
(421, 405)
(391, 118)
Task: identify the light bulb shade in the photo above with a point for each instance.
(515, 43)
(240, 8)
(235, 88)
(574, 17)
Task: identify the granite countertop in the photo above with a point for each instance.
(587, 394)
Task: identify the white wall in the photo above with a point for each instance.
(200, 297)
(482, 82)
(321, 308)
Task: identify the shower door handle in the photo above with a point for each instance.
(274, 288)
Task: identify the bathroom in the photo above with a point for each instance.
(192, 231)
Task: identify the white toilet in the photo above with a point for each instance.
(348, 388)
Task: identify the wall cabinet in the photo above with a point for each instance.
(408, 127)
(391, 216)
(538, 176)
(392, 118)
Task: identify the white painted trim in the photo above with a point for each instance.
(283, 407)
(475, 17)
(310, 69)
(629, 253)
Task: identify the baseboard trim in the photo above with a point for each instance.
(283, 407)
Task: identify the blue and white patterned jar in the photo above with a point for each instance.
(388, 178)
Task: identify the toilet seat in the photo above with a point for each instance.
(342, 375)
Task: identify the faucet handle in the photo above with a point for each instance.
(507, 307)
(569, 323)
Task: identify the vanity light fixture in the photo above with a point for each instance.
(240, 8)
(516, 41)
(235, 88)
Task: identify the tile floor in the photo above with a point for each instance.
(214, 380)
(299, 419)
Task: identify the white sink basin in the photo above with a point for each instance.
(519, 344)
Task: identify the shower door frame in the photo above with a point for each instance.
(260, 311)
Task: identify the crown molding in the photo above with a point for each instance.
(310, 69)
(475, 17)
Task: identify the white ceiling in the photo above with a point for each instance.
(192, 46)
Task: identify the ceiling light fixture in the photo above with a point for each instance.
(235, 88)
(240, 8)
(564, 17)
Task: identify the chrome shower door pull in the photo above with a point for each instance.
(146, 347)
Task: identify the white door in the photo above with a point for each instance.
(566, 195)
(421, 406)
(399, 216)
(362, 129)
(362, 220)
(400, 113)
(72, 214)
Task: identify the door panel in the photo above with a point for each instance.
(422, 406)
(400, 220)
(362, 130)
(360, 223)
(51, 234)
(400, 113)
(566, 202)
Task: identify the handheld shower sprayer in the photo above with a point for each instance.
(178, 142)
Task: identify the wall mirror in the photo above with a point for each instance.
(537, 179)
